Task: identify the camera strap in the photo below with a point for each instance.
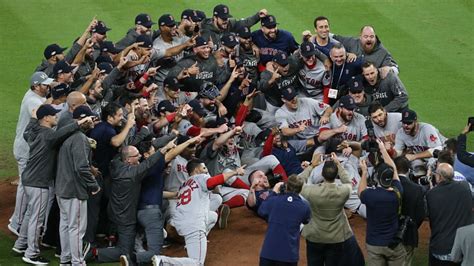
(399, 198)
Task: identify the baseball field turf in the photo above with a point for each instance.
(431, 40)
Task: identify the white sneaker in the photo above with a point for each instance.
(156, 260)
(36, 260)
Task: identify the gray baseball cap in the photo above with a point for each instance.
(40, 78)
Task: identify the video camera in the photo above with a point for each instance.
(370, 145)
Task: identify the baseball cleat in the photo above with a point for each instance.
(123, 260)
(13, 230)
(224, 212)
(19, 251)
(36, 260)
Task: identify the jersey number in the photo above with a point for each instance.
(185, 197)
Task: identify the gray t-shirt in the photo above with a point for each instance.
(30, 101)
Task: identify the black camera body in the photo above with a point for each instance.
(371, 144)
(405, 221)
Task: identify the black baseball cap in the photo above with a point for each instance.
(244, 32)
(229, 40)
(101, 28)
(355, 85)
(190, 14)
(281, 58)
(172, 83)
(209, 90)
(165, 106)
(222, 11)
(108, 46)
(105, 67)
(289, 93)
(167, 20)
(409, 116)
(347, 102)
(144, 20)
(197, 108)
(52, 50)
(82, 111)
(60, 90)
(200, 41)
(384, 174)
(182, 139)
(146, 40)
(307, 49)
(45, 110)
(62, 67)
(269, 21)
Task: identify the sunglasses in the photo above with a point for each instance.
(408, 123)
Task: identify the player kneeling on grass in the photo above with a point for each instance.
(193, 218)
(284, 211)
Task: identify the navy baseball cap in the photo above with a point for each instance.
(172, 83)
(384, 174)
(105, 67)
(108, 46)
(222, 11)
(104, 59)
(229, 40)
(281, 58)
(146, 40)
(200, 41)
(101, 28)
(182, 139)
(197, 108)
(52, 50)
(355, 85)
(165, 106)
(289, 93)
(269, 21)
(244, 32)
(190, 14)
(209, 90)
(347, 102)
(62, 67)
(144, 20)
(200, 15)
(45, 110)
(60, 90)
(307, 49)
(409, 116)
(167, 20)
(82, 111)
(40, 78)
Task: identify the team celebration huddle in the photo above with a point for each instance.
(186, 118)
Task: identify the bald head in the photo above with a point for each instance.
(74, 99)
(445, 172)
(126, 151)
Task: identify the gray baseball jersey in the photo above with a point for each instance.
(309, 111)
(193, 205)
(356, 129)
(249, 133)
(178, 174)
(160, 47)
(426, 138)
(218, 161)
(184, 97)
(393, 124)
(312, 80)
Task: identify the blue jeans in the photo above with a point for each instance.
(320, 254)
(152, 221)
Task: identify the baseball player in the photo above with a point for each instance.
(344, 123)
(314, 79)
(74, 183)
(34, 97)
(193, 218)
(301, 118)
(386, 125)
(416, 139)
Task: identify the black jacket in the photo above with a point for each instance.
(413, 205)
(464, 156)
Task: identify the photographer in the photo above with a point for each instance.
(464, 156)
(284, 211)
(329, 227)
(413, 207)
(383, 207)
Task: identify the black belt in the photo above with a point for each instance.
(143, 207)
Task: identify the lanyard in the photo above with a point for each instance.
(340, 74)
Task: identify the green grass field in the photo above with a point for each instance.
(432, 41)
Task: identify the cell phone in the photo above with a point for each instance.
(470, 120)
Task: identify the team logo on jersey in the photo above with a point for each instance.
(433, 138)
(321, 105)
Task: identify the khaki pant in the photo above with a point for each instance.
(385, 256)
(409, 255)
